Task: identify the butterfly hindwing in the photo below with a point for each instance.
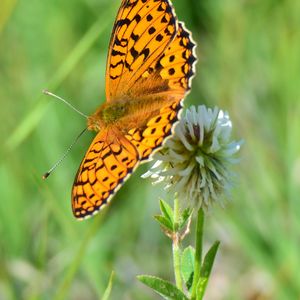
(151, 137)
(110, 159)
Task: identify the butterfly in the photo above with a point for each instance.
(150, 65)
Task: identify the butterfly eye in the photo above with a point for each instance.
(122, 109)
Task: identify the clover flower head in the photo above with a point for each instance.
(195, 161)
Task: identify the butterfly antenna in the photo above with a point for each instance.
(47, 174)
(46, 92)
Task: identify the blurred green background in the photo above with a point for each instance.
(249, 65)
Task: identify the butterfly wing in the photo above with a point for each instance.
(174, 72)
(151, 55)
(108, 162)
(177, 65)
(142, 31)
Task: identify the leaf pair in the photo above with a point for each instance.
(205, 271)
(188, 264)
(169, 291)
(167, 221)
(188, 269)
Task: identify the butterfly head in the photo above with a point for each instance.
(94, 121)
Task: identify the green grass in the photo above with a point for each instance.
(248, 65)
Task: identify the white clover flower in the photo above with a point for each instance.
(195, 162)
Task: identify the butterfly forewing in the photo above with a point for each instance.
(142, 32)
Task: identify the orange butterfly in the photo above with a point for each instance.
(150, 65)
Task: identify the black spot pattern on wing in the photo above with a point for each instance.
(177, 64)
(107, 163)
(143, 30)
(151, 137)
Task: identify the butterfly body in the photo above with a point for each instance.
(108, 114)
(127, 113)
(150, 66)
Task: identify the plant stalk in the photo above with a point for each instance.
(198, 253)
(176, 246)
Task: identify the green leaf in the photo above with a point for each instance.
(185, 216)
(206, 270)
(109, 287)
(166, 210)
(187, 266)
(164, 222)
(164, 288)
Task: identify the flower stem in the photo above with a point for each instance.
(198, 254)
(176, 246)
